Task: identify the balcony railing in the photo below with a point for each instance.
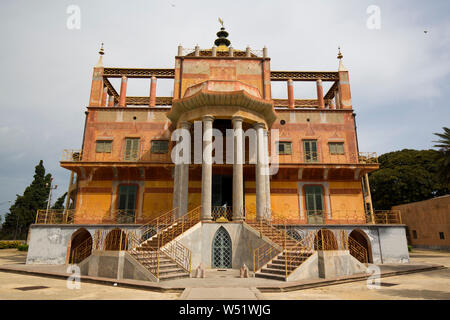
(71, 155)
(222, 212)
(54, 216)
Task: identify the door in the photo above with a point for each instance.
(314, 204)
(126, 207)
(221, 250)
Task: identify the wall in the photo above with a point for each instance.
(243, 239)
(428, 218)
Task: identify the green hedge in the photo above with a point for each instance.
(10, 244)
(22, 247)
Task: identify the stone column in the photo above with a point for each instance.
(320, 94)
(260, 181)
(181, 182)
(152, 101)
(207, 168)
(291, 100)
(111, 101)
(238, 178)
(266, 174)
(104, 96)
(123, 92)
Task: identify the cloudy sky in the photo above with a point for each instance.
(400, 75)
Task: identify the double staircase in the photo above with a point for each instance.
(277, 260)
(158, 250)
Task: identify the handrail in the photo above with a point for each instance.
(55, 216)
(303, 248)
(359, 252)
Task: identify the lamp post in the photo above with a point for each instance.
(49, 196)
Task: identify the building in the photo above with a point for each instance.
(428, 222)
(127, 192)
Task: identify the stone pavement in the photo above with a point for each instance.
(224, 285)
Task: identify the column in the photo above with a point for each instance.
(320, 94)
(266, 174)
(207, 168)
(111, 101)
(238, 178)
(181, 182)
(184, 174)
(123, 92)
(104, 96)
(260, 181)
(152, 101)
(291, 100)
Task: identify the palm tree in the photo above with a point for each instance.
(444, 158)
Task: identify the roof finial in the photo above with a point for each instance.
(222, 34)
(100, 59)
(339, 56)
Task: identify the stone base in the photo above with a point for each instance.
(337, 263)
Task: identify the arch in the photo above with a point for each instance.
(294, 234)
(361, 238)
(222, 254)
(80, 246)
(115, 240)
(325, 240)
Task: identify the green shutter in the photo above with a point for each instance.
(131, 149)
(103, 146)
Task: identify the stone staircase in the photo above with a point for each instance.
(167, 268)
(293, 253)
(154, 256)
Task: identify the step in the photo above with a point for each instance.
(269, 276)
(174, 276)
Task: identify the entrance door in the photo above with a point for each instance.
(222, 196)
(314, 204)
(221, 250)
(126, 207)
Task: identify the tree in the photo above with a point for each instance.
(59, 204)
(443, 161)
(406, 176)
(23, 212)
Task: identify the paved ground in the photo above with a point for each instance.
(426, 285)
(57, 288)
(224, 285)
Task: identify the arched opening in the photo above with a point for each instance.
(115, 240)
(325, 240)
(294, 234)
(359, 246)
(80, 246)
(221, 250)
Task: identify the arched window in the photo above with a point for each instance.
(80, 246)
(115, 240)
(221, 249)
(359, 246)
(325, 240)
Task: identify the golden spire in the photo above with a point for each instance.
(100, 59)
(339, 56)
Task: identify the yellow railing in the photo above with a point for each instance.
(71, 155)
(357, 250)
(55, 216)
(387, 217)
(81, 252)
(179, 253)
(263, 254)
(294, 256)
(368, 157)
(222, 212)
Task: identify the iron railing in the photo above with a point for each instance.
(221, 212)
(55, 216)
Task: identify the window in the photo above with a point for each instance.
(336, 147)
(414, 234)
(314, 199)
(103, 146)
(131, 149)
(441, 236)
(160, 146)
(284, 147)
(310, 148)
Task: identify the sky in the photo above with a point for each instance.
(399, 64)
